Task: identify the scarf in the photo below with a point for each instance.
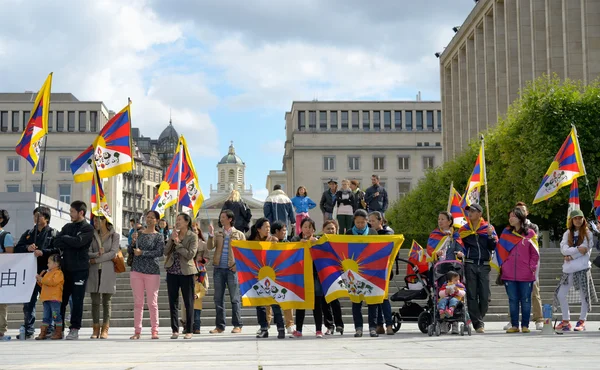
(438, 238)
(481, 230)
(356, 231)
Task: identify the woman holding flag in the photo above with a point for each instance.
(444, 243)
(518, 258)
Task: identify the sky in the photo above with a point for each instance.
(226, 70)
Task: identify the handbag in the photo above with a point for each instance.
(119, 261)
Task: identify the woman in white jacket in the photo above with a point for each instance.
(576, 247)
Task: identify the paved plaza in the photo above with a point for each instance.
(408, 349)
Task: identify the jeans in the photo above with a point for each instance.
(140, 284)
(52, 313)
(223, 278)
(261, 315)
(357, 316)
(332, 314)
(478, 292)
(447, 302)
(197, 319)
(29, 311)
(74, 285)
(385, 307)
(186, 284)
(105, 299)
(317, 315)
(519, 293)
(327, 216)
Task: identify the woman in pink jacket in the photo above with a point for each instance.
(518, 268)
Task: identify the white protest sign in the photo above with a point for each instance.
(17, 277)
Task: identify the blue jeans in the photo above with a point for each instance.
(357, 316)
(519, 293)
(446, 302)
(261, 315)
(223, 278)
(52, 313)
(374, 309)
(197, 319)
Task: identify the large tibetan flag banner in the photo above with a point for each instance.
(507, 241)
(275, 273)
(476, 181)
(30, 144)
(566, 167)
(597, 200)
(357, 267)
(456, 209)
(112, 150)
(98, 202)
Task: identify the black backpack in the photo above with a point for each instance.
(2, 237)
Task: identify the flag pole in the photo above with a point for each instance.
(450, 196)
(587, 182)
(180, 165)
(487, 204)
(43, 170)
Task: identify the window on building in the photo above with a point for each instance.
(64, 193)
(387, 120)
(439, 123)
(345, 120)
(408, 121)
(71, 121)
(428, 163)
(355, 123)
(301, 120)
(50, 121)
(419, 120)
(93, 121)
(404, 163)
(403, 188)
(382, 182)
(82, 121)
(377, 120)
(419, 144)
(378, 163)
(12, 188)
(64, 164)
(26, 116)
(60, 121)
(426, 143)
(36, 188)
(322, 120)
(366, 121)
(429, 120)
(354, 163)
(329, 163)
(398, 120)
(15, 121)
(13, 164)
(325, 186)
(333, 120)
(312, 120)
(437, 143)
(4, 121)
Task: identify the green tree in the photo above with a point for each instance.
(519, 150)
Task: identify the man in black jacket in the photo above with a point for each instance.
(74, 241)
(376, 196)
(39, 241)
(327, 202)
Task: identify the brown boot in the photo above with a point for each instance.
(380, 329)
(58, 334)
(96, 331)
(104, 332)
(43, 333)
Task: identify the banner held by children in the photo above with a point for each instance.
(357, 267)
(17, 277)
(275, 273)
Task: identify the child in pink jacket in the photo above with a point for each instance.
(452, 292)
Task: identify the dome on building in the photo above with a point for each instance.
(169, 133)
(231, 158)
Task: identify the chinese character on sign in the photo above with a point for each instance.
(8, 279)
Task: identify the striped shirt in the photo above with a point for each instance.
(224, 262)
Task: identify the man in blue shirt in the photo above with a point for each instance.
(6, 246)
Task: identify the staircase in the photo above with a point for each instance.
(122, 302)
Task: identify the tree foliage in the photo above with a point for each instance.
(518, 150)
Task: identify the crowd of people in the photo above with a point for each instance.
(79, 259)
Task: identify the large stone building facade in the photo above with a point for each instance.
(501, 46)
(397, 140)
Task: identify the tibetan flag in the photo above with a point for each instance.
(275, 273)
(30, 144)
(566, 167)
(98, 202)
(419, 257)
(476, 181)
(112, 150)
(168, 189)
(573, 199)
(507, 241)
(597, 200)
(481, 230)
(357, 267)
(437, 239)
(456, 208)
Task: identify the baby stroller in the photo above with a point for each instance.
(461, 314)
(417, 287)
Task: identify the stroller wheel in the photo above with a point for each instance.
(430, 330)
(424, 321)
(438, 329)
(396, 322)
(469, 330)
(462, 330)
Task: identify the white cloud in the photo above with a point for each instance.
(260, 194)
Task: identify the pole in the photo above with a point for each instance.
(43, 170)
(487, 204)
(180, 165)
(450, 196)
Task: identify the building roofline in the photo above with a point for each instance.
(474, 14)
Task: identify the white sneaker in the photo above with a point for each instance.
(290, 330)
(539, 325)
(507, 326)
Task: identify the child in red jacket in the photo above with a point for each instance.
(452, 292)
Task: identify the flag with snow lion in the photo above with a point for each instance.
(357, 267)
(275, 273)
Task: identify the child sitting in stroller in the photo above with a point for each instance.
(451, 293)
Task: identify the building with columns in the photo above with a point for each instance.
(397, 140)
(501, 46)
(231, 175)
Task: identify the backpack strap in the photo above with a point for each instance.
(3, 234)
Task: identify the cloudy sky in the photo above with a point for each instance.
(228, 70)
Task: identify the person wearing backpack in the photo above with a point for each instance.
(6, 246)
(37, 240)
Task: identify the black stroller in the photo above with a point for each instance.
(412, 311)
(461, 314)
